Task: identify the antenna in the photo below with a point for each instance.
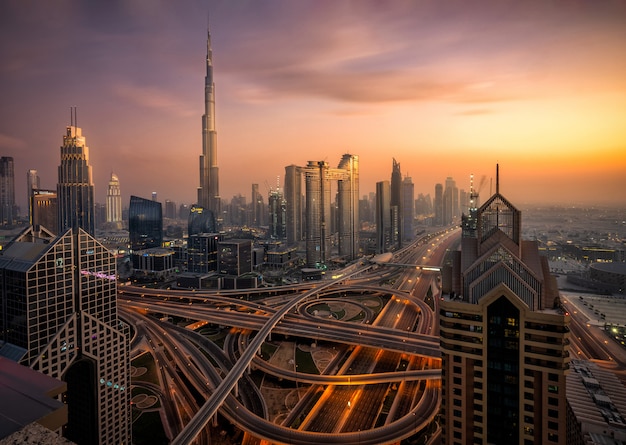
(497, 178)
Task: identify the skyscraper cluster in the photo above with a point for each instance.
(311, 217)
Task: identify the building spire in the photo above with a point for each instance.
(497, 179)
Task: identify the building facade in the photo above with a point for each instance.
(408, 208)
(114, 202)
(145, 223)
(277, 215)
(395, 204)
(383, 216)
(59, 309)
(294, 207)
(8, 211)
(504, 337)
(75, 188)
(44, 209)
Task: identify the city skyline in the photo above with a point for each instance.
(538, 88)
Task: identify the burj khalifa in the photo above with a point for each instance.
(208, 191)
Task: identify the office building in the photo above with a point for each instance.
(44, 210)
(438, 205)
(294, 204)
(256, 207)
(408, 208)
(202, 252)
(317, 213)
(32, 183)
(277, 215)
(59, 317)
(348, 206)
(596, 405)
(504, 337)
(114, 203)
(75, 188)
(383, 216)
(170, 209)
(450, 205)
(395, 204)
(208, 191)
(8, 211)
(235, 256)
(145, 223)
(200, 220)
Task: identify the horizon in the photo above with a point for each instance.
(445, 90)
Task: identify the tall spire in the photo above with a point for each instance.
(208, 190)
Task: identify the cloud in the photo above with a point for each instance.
(153, 98)
(11, 142)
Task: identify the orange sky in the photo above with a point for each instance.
(538, 87)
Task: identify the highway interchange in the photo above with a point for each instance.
(389, 360)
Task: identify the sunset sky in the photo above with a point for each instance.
(446, 89)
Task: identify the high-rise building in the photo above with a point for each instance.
(7, 191)
(450, 202)
(114, 202)
(348, 206)
(202, 252)
(44, 212)
(396, 205)
(59, 317)
(200, 220)
(75, 189)
(170, 209)
(317, 211)
(504, 337)
(234, 256)
(408, 208)
(438, 205)
(145, 223)
(383, 216)
(277, 215)
(293, 198)
(254, 206)
(32, 183)
(208, 191)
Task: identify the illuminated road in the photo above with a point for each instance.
(418, 387)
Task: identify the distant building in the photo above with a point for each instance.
(32, 183)
(596, 405)
(277, 215)
(234, 257)
(75, 188)
(200, 220)
(450, 208)
(145, 223)
(395, 205)
(170, 209)
(8, 211)
(383, 217)
(408, 208)
(294, 204)
(208, 190)
(504, 337)
(114, 202)
(59, 317)
(438, 205)
(44, 209)
(202, 252)
(155, 263)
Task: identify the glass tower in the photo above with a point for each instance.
(145, 223)
(7, 191)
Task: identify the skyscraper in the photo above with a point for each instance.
(348, 206)
(44, 209)
(75, 189)
(145, 223)
(208, 191)
(504, 337)
(317, 211)
(450, 202)
(59, 316)
(408, 208)
(438, 205)
(277, 215)
(7, 191)
(383, 216)
(396, 205)
(293, 198)
(32, 183)
(114, 202)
